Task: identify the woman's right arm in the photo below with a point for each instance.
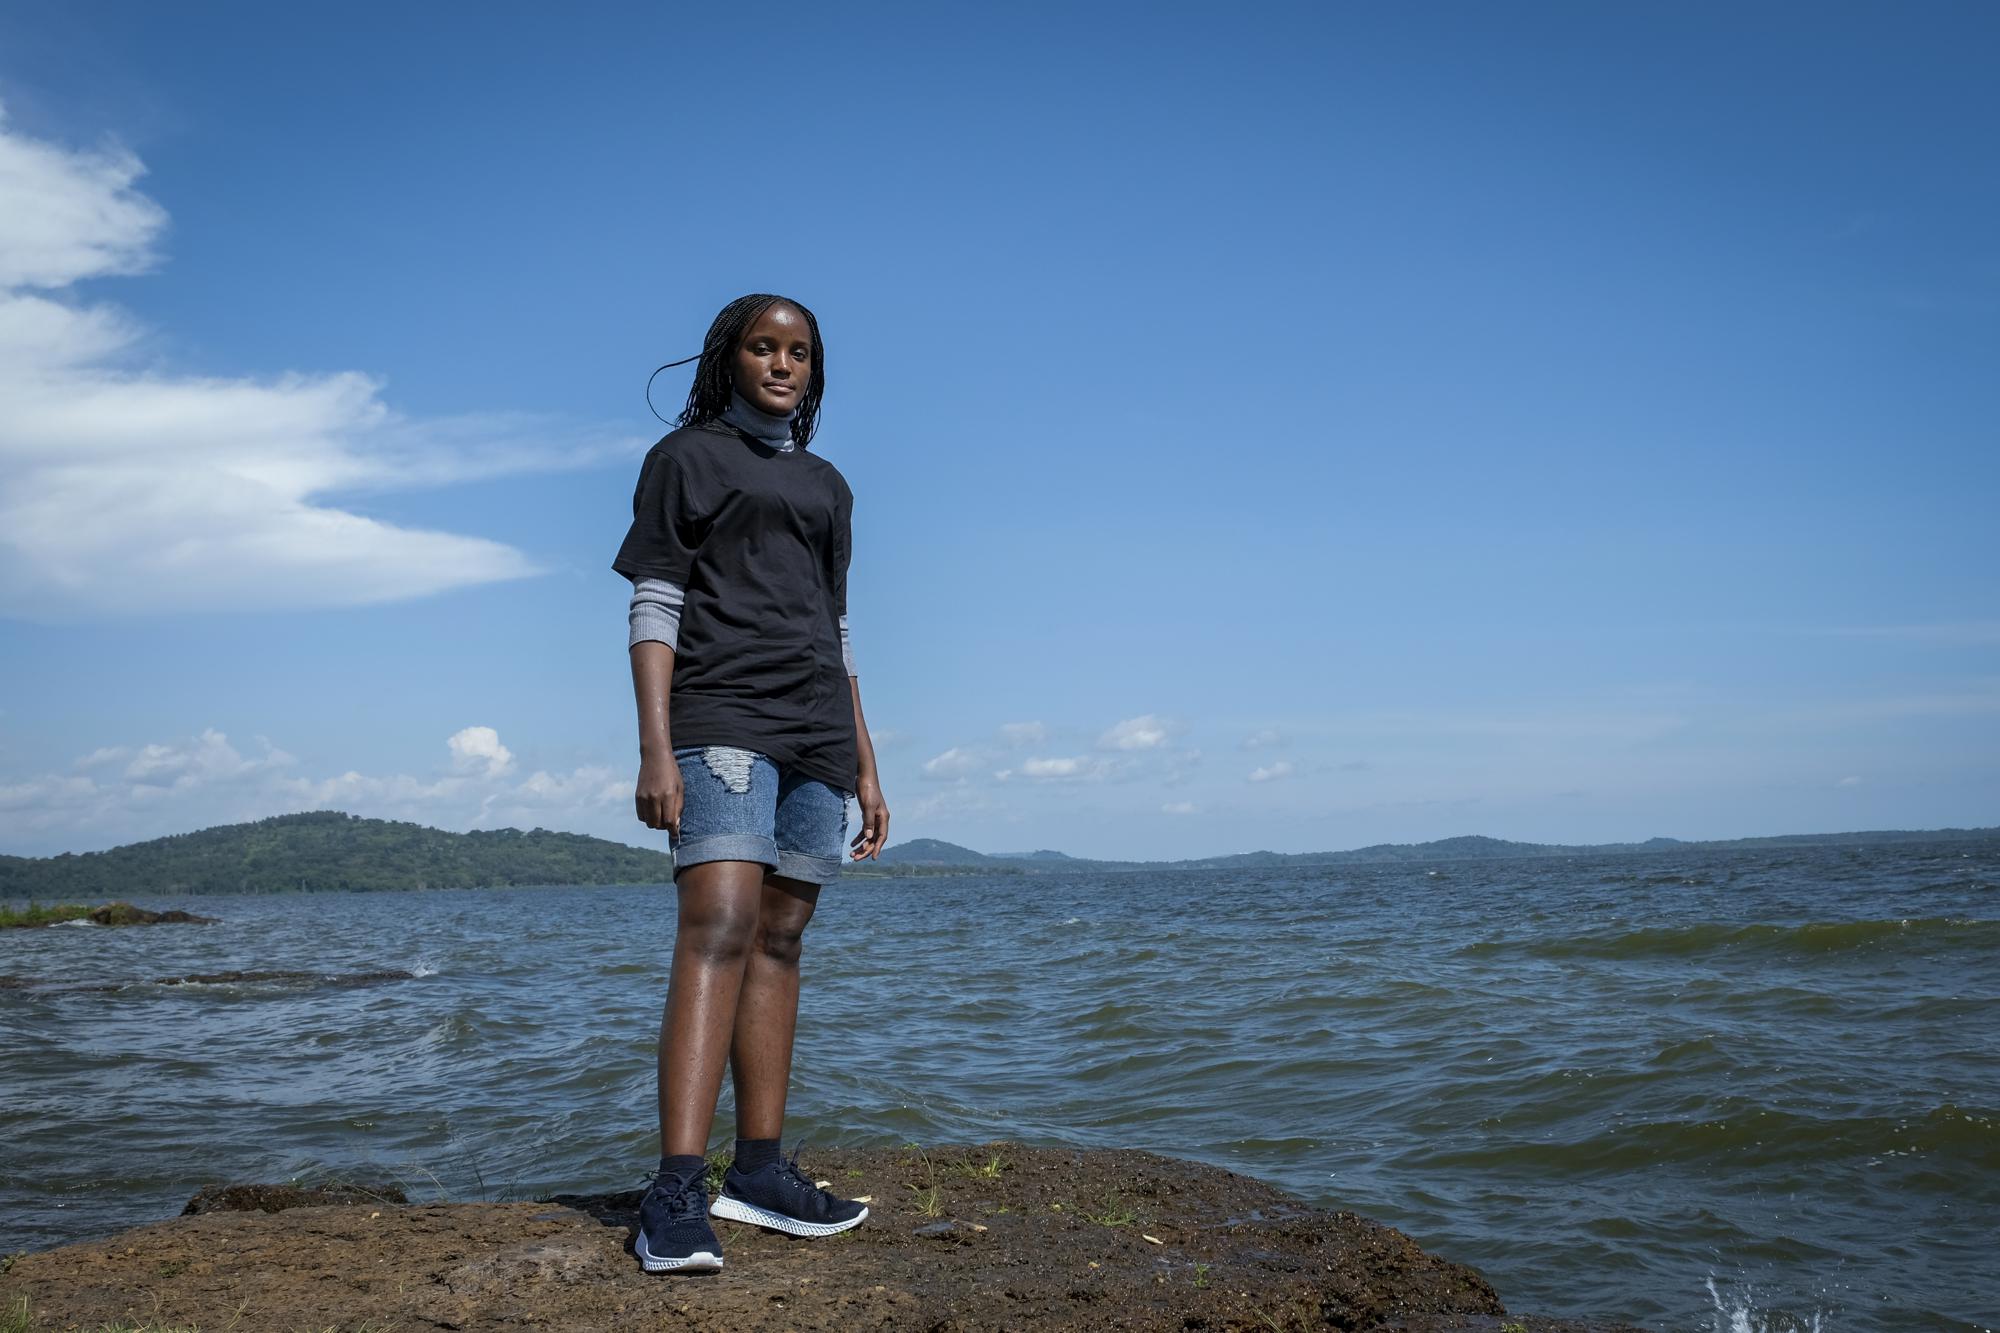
(659, 794)
(657, 553)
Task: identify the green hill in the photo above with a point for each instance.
(328, 850)
(929, 856)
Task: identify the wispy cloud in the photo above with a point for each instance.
(954, 763)
(131, 490)
(1976, 701)
(1145, 732)
(1272, 772)
(1059, 768)
(1946, 632)
(1582, 725)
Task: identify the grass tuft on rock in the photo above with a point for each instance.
(34, 914)
(1113, 1214)
(990, 1169)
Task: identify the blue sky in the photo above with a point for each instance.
(1271, 426)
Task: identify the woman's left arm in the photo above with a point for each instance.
(874, 833)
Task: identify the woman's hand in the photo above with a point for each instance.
(659, 795)
(874, 833)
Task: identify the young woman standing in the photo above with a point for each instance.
(751, 743)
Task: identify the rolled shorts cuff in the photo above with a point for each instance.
(811, 869)
(725, 847)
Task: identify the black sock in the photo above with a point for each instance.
(752, 1154)
(690, 1167)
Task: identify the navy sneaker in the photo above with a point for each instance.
(781, 1197)
(674, 1234)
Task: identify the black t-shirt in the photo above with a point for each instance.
(759, 538)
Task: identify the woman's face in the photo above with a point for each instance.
(774, 360)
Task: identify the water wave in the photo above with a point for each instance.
(1763, 1136)
(287, 980)
(1715, 937)
(1740, 1314)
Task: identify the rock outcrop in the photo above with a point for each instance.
(998, 1236)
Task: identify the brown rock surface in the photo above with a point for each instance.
(125, 914)
(279, 1198)
(995, 1237)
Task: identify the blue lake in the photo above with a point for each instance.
(1732, 1090)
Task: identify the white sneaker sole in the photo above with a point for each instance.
(736, 1210)
(701, 1261)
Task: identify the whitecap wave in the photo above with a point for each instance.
(1743, 1316)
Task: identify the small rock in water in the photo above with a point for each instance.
(125, 914)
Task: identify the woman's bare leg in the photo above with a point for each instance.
(767, 1012)
(720, 904)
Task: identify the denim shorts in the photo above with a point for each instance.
(737, 805)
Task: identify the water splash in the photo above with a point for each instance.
(1745, 1317)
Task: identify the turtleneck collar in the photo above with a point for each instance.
(772, 430)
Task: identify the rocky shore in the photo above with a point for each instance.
(998, 1236)
(111, 914)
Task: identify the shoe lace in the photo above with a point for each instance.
(788, 1171)
(684, 1198)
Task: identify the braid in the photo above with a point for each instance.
(715, 377)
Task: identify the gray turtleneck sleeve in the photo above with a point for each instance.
(655, 613)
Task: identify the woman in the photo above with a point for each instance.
(738, 554)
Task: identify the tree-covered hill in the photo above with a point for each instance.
(327, 850)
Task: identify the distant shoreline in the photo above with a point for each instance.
(331, 852)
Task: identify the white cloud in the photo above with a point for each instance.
(1850, 782)
(1272, 772)
(104, 756)
(71, 214)
(478, 750)
(1024, 733)
(544, 796)
(144, 791)
(1262, 737)
(1180, 808)
(953, 763)
(209, 757)
(1145, 732)
(125, 489)
(1061, 768)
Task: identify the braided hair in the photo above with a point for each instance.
(715, 377)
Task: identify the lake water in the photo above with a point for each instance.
(1729, 1090)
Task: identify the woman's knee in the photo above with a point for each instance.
(718, 937)
(720, 927)
(781, 941)
(786, 908)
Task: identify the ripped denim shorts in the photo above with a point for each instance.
(737, 805)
